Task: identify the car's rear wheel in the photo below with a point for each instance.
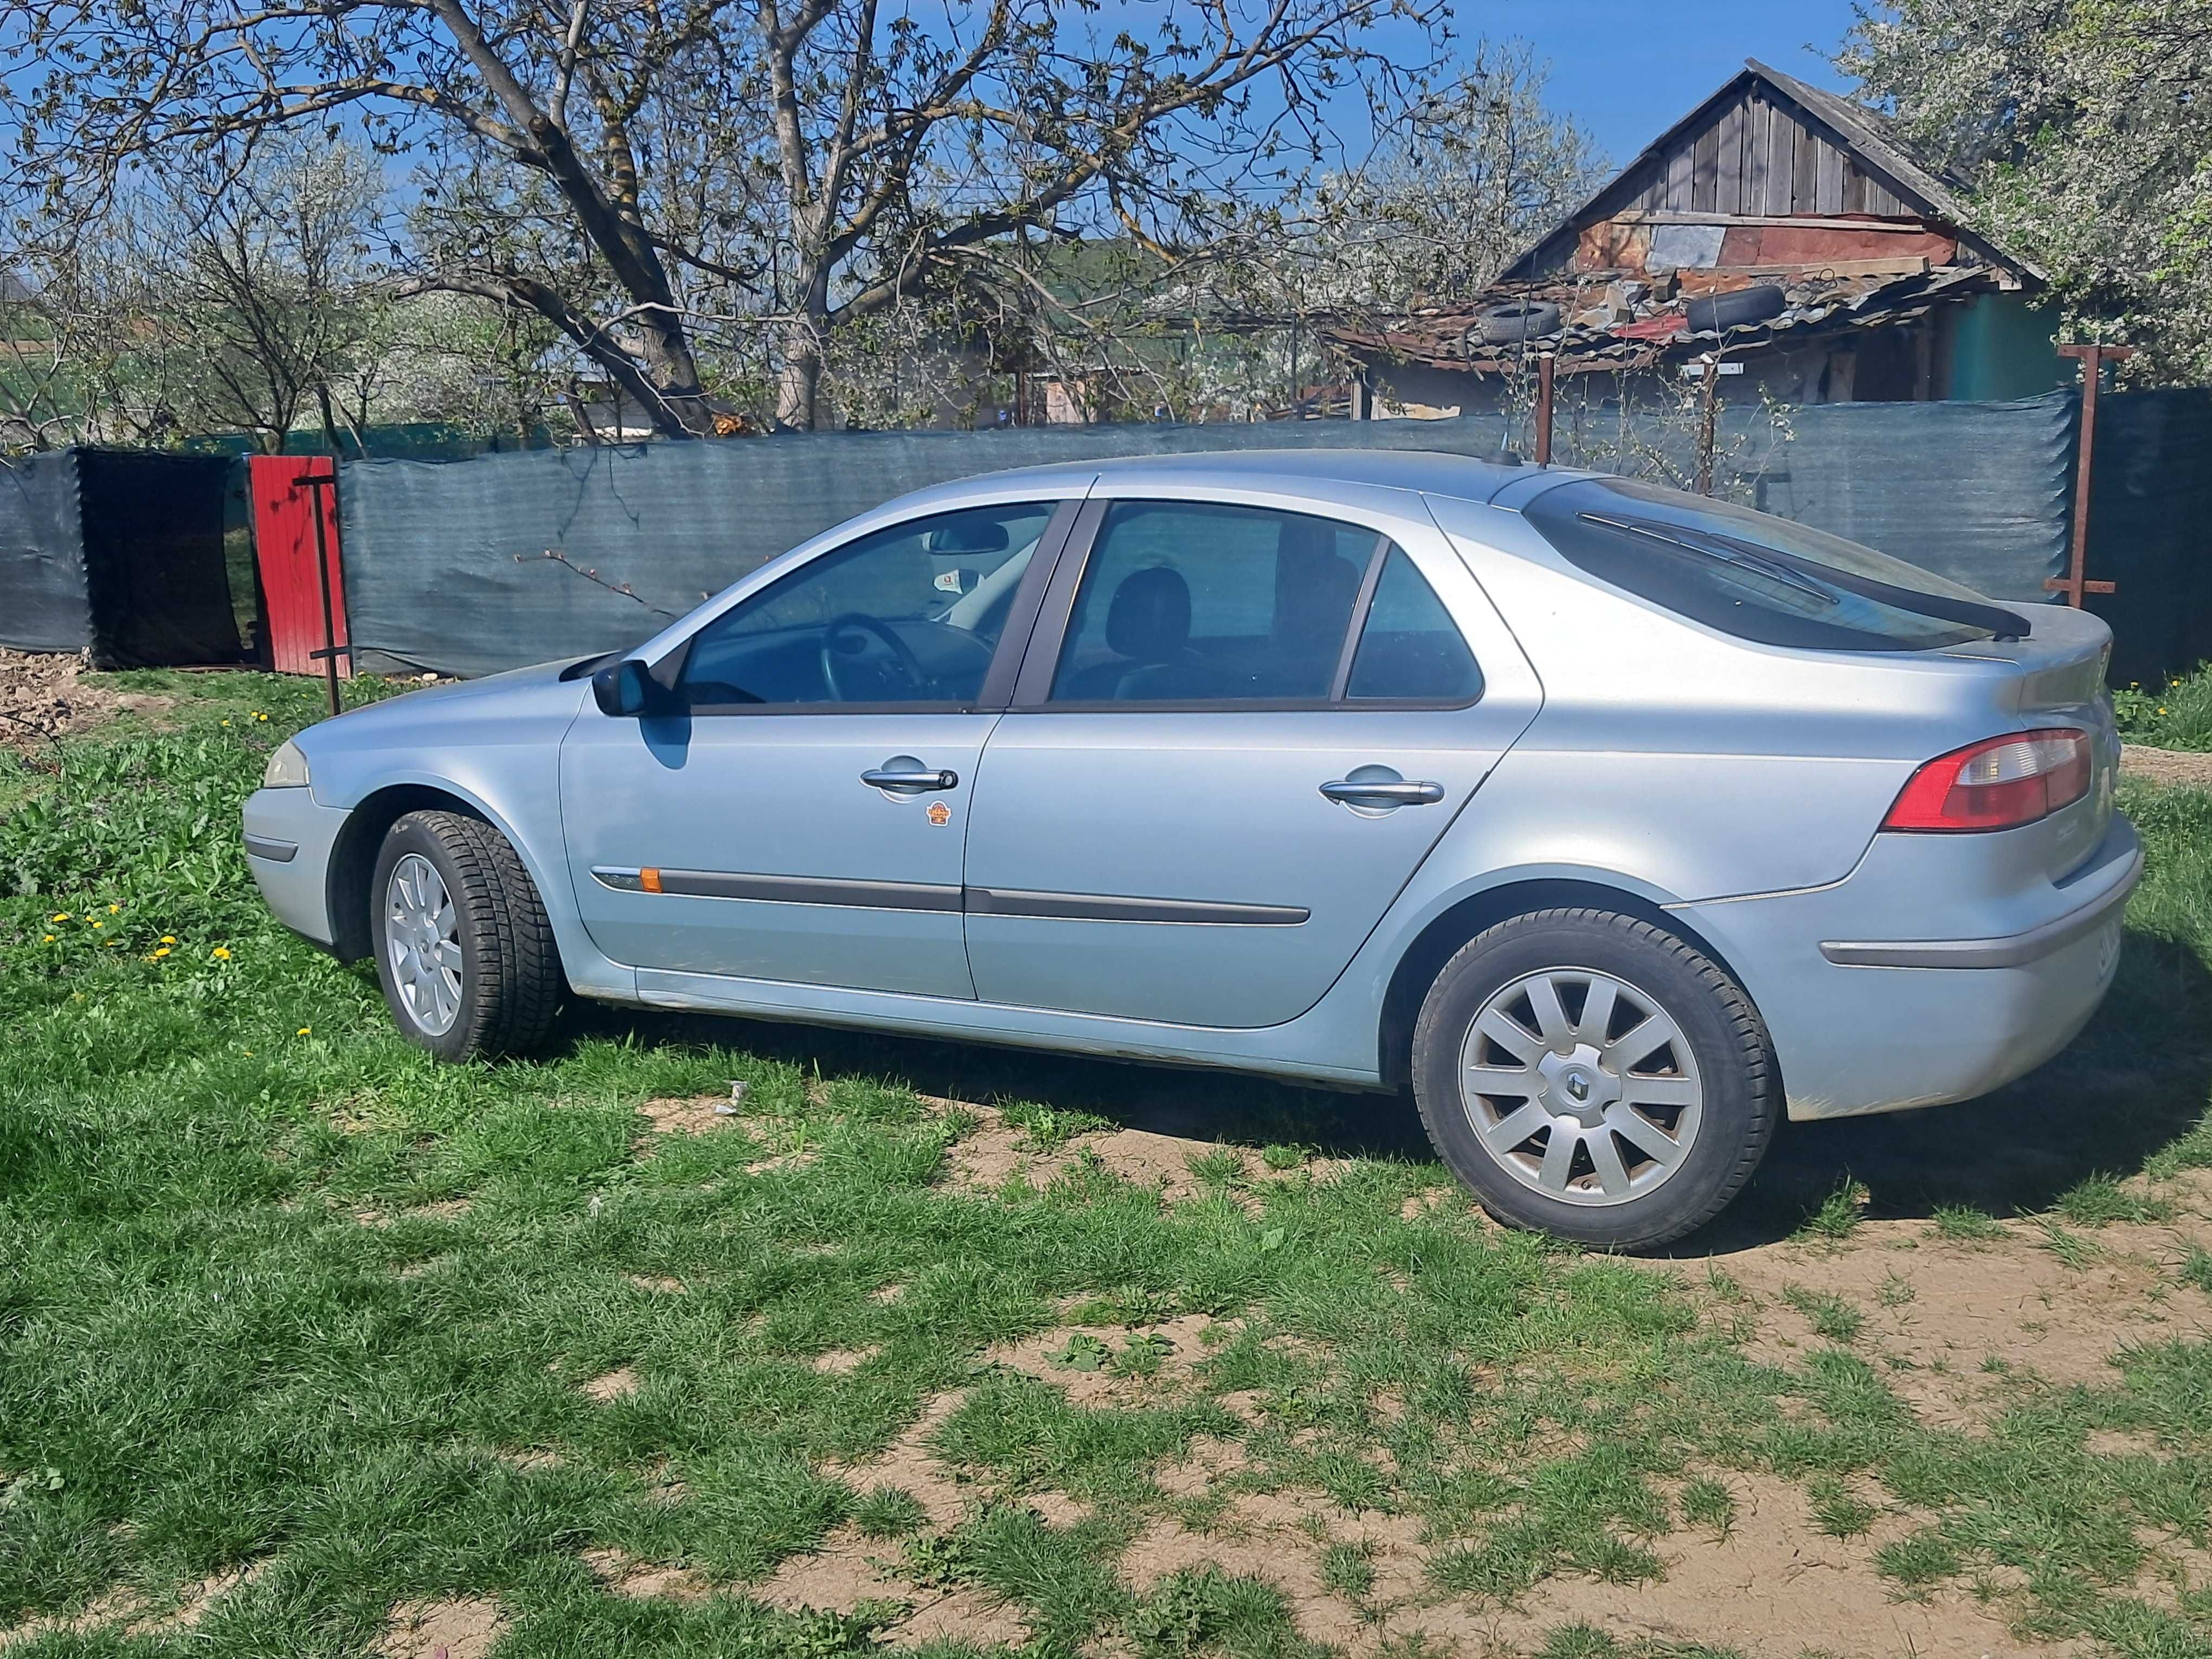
(1590, 1075)
(464, 951)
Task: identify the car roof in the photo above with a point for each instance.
(1434, 473)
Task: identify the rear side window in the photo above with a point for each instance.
(1755, 576)
(1410, 648)
(1187, 602)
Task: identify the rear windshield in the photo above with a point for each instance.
(1753, 576)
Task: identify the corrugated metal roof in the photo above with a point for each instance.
(1815, 305)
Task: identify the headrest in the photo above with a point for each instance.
(1150, 617)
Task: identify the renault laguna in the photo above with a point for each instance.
(1615, 824)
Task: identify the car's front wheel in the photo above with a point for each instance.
(1590, 1075)
(464, 951)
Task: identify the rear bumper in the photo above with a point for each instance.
(289, 838)
(2099, 908)
(1865, 1018)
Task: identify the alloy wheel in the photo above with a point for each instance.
(423, 942)
(1580, 1086)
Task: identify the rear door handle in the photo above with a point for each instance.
(1352, 792)
(878, 777)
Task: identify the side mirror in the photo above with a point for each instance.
(627, 690)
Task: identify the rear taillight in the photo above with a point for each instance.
(1999, 784)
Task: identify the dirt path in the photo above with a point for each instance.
(2182, 766)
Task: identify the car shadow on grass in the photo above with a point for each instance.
(2131, 1085)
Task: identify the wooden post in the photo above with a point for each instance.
(2073, 584)
(1708, 396)
(1545, 366)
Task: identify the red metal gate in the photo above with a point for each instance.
(302, 633)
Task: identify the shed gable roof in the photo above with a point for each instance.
(1767, 144)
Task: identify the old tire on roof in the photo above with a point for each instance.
(1716, 313)
(1515, 320)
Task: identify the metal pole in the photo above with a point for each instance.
(317, 483)
(2073, 584)
(1544, 366)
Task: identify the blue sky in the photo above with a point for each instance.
(1628, 69)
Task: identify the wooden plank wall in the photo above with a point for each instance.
(1756, 155)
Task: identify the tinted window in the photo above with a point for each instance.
(1707, 560)
(1409, 646)
(1186, 603)
(909, 613)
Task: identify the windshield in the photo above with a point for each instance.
(1758, 577)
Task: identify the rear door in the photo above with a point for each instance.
(1241, 725)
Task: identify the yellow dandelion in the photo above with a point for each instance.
(99, 924)
(159, 954)
(221, 953)
(249, 1054)
(111, 943)
(168, 938)
(50, 939)
(2162, 711)
(58, 916)
(304, 1030)
(114, 909)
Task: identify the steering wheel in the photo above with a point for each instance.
(901, 658)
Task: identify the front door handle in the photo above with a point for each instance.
(1355, 793)
(878, 777)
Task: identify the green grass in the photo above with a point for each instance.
(1839, 1215)
(1709, 1504)
(2177, 716)
(1962, 1223)
(1829, 1316)
(275, 1288)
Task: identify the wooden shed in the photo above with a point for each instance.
(1877, 286)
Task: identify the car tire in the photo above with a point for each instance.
(464, 951)
(1632, 1088)
(1515, 320)
(1716, 313)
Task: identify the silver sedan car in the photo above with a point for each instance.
(1616, 823)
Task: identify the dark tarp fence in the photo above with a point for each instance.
(446, 565)
(45, 604)
(2150, 529)
(1980, 493)
(121, 554)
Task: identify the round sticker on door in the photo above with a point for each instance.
(939, 814)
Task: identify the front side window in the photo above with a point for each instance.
(1756, 576)
(909, 614)
(1188, 602)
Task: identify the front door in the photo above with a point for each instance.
(1257, 725)
(798, 812)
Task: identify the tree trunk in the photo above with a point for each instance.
(674, 371)
(799, 382)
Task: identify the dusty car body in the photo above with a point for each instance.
(1366, 768)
